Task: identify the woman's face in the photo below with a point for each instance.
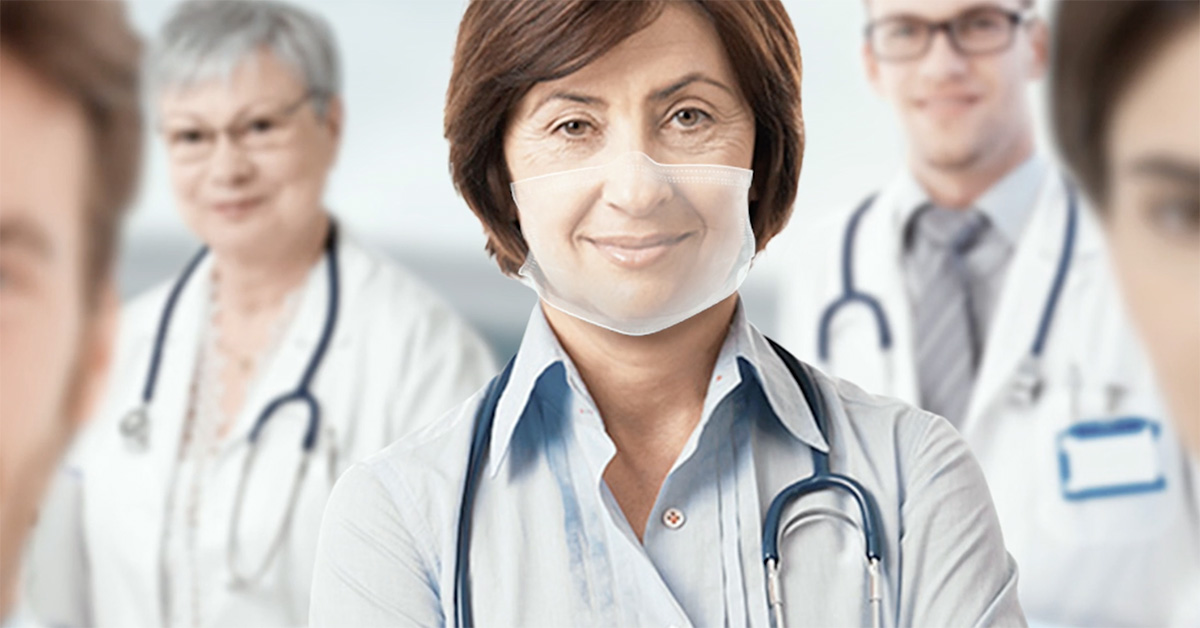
(1154, 218)
(249, 156)
(670, 92)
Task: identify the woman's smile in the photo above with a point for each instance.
(637, 251)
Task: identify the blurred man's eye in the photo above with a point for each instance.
(25, 255)
(16, 276)
(189, 136)
(983, 23)
(903, 29)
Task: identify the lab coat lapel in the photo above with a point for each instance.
(176, 374)
(880, 252)
(1026, 288)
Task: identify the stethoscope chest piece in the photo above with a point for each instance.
(1027, 383)
(135, 429)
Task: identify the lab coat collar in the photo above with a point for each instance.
(746, 343)
(1008, 204)
(540, 350)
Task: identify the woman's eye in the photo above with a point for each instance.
(573, 128)
(689, 118)
(188, 136)
(1177, 219)
(261, 125)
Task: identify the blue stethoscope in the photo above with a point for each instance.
(1027, 385)
(821, 479)
(135, 426)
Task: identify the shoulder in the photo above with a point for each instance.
(420, 476)
(388, 534)
(888, 428)
(390, 297)
(142, 311)
(138, 325)
(814, 235)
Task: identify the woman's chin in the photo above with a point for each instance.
(238, 240)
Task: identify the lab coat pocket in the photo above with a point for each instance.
(1107, 480)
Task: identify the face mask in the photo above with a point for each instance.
(636, 246)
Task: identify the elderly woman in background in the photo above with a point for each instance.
(618, 472)
(283, 353)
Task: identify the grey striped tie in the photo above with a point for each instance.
(948, 337)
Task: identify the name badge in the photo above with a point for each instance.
(1109, 458)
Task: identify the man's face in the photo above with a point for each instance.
(958, 110)
(52, 346)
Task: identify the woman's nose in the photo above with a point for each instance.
(229, 164)
(635, 186)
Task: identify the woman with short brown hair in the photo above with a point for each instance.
(627, 160)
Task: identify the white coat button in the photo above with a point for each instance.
(673, 518)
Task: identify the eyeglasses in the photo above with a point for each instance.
(978, 31)
(191, 143)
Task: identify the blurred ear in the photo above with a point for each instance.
(871, 65)
(1039, 42)
(334, 117)
(333, 121)
(95, 356)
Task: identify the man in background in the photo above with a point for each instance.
(70, 139)
(975, 285)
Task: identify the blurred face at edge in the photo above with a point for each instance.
(55, 332)
(1153, 217)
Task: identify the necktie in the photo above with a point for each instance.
(949, 342)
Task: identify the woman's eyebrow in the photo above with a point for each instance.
(694, 77)
(1166, 167)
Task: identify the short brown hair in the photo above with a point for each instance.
(85, 49)
(1099, 48)
(505, 48)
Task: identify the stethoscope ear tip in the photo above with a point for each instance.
(135, 427)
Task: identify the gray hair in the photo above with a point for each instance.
(208, 39)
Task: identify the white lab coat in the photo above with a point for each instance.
(399, 359)
(1110, 561)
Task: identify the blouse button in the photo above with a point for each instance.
(673, 518)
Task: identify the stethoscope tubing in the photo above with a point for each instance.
(821, 480)
(851, 294)
(302, 393)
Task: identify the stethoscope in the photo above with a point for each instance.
(135, 426)
(1027, 383)
(821, 479)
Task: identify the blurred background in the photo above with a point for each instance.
(391, 187)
